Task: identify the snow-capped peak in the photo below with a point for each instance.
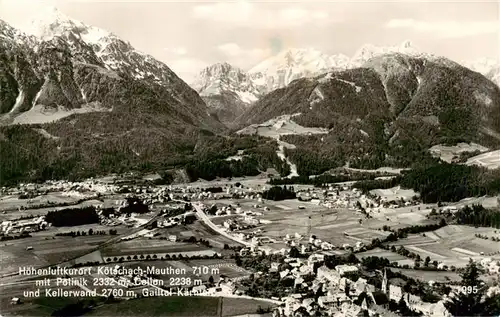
(482, 65)
(369, 51)
(308, 59)
(51, 22)
(221, 77)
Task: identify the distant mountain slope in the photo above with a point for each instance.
(228, 91)
(280, 70)
(69, 67)
(394, 101)
(489, 67)
(93, 104)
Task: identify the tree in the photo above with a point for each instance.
(427, 261)
(211, 279)
(294, 252)
(467, 301)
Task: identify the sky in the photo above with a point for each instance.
(191, 35)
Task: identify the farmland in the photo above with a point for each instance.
(45, 250)
(181, 306)
(489, 159)
(391, 256)
(149, 246)
(427, 276)
(338, 225)
(452, 245)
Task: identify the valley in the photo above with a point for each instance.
(351, 182)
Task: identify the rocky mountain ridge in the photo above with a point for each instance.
(489, 67)
(215, 82)
(385, 112)
(65, 67)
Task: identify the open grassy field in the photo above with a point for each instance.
(180, 306)
(489, 160)
(453, 245)
(162, 306)
(46, 250)
(148, 246)
(32, 306)
(241, 306)
(391, 256)
(338, 226)
(225, 267)
(215, 268)
(200, 231)
(446, 152)
(13, 202)
(395, 193)
(436, 276)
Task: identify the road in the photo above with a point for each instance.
(203, 217)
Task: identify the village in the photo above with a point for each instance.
(316, 251)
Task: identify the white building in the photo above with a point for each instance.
(344, 269)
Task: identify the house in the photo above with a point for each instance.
(343, 269)
(291, 304)
(172, 238)
(200, 289)
(298, 281)
(350, 310)
(412, 300)
(379, 299)
(227, 288)
(361, 286)
(274, 267)
(308, 304)
(329, 275)
(395, 293)
(15, 301)
(325, 301)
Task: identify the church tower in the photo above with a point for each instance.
(385, 283)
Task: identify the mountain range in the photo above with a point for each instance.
(65, 67)
(489, 67)
(93, 105)
(228, 90)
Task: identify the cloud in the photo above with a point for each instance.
(447, 29)
(233, 50)
(186, 68)
(176, 50)
(246, 14)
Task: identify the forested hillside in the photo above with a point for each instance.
(387, 113)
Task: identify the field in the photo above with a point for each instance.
(227, 268)
(436, 276)
(214, 267)
(13, 202)
(41, 306)
(395, 193)
(180, 306)
(453, 245)
(281, 125)
(489, 160)
(46, 250)
(200, 231)
(446, 153)
(338, 226)
(149, 246)
(391, 256)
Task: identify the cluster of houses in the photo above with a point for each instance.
(342, 296)
(24, 225)
(491, 266)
